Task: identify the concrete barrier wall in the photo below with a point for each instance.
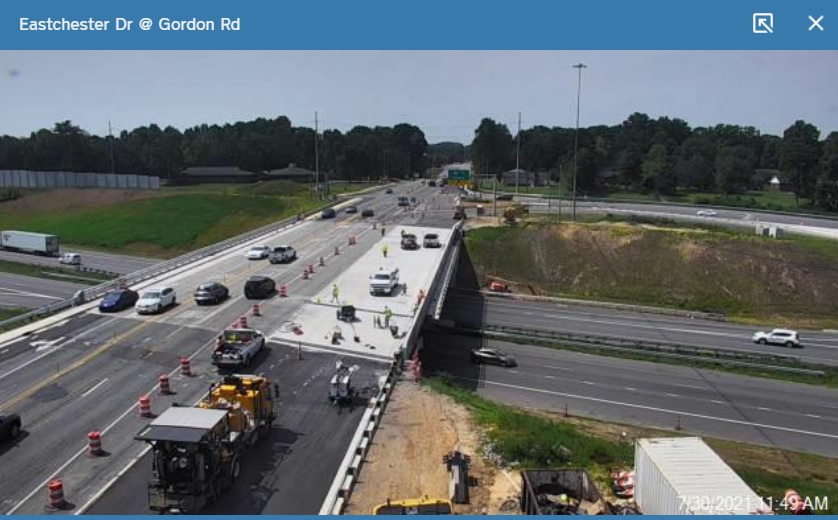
(33, 180)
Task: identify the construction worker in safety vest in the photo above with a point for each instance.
(335, 293)
(388, 314)
(384, 250)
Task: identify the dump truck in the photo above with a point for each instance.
(561, 492)
(29, 242)
(236, 347)
(196, 450)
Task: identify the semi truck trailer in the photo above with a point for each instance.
(29, 242)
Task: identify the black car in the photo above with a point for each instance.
(351, 209)
(328, 213)
(388, 191)
(491, 356)
(9, 426)
(259, 287)
(432, 184)
(118, 300)
(504, 196)
(367, 213)
(211, 293)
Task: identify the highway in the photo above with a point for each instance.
(95, 260)
(472, 309)
(30, 292)
(754, 410)
(87, 371)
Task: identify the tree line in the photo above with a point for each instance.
(659, 156)
(663, 155)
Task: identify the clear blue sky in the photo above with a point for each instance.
(444, 93)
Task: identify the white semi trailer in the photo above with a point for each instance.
(29, 242)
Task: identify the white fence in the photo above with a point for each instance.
(51, 180)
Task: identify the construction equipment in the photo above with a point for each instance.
(236, 347)
(196, 450)
(346, 313)
(515, 212)
(340, 387)
(420, 506)
(561, 492)
(459, 213)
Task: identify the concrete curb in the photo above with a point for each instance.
(350, 468)
(608, 305)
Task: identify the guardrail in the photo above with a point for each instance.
(694, 353)
(452, 265)
(609, 305)
(96, 291)
(347, 476)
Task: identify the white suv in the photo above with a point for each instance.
(785, 337)
(258, 252)
(155, 300)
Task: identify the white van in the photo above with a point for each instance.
(70, 259)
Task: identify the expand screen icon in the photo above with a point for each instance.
(763, 23)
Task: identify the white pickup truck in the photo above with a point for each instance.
(384, 282)
(235, 348)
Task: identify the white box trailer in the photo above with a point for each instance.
(684, 476)
(29, 242)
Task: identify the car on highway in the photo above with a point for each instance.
(432, 184)
(388, 191)
(211, 293)
(70, 259)
(706, 213)
(328, 213)
(431, 240)
(155, 300)
(504, 196)
(9, 426)
(351, 210)
(259, 287)
(367, 213)
(259, 252)
(785, 337)
(282, 255)
(492, 356)
(118, 300)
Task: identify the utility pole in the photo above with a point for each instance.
(579, 66)
(110, 140)
(518, 154)
(494, 197)
(561, 174)
(316, 156)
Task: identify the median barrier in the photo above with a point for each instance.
(608, 305)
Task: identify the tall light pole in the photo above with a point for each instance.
(518, 154)
(578, 66)
(316, 157)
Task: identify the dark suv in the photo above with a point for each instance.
(9, 426)
(259, 287)
(211, 292)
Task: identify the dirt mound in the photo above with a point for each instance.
(56, 201)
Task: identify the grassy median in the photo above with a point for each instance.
(534, 440)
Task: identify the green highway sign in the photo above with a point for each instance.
(459, 175)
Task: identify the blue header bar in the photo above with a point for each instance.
(427, 25)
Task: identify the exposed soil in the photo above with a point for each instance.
(418, 428)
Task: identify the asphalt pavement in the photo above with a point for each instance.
(701, 402)
(30, 292)
(87, 371)
(93, 260)
(472, 309)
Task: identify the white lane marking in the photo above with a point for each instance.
(130, 409)
(588, 383)
(672, 395)
(688, 386)
(94, 387)
(513, 371)
(32, 294)
(550, 377)
(631, 389)
(47, 353)
(559, 368)
(653, 409)
(813, 416)
(717, 401)
(764, 409)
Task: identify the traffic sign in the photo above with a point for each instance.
(459, 175)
